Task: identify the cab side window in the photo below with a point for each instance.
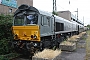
(45, 20)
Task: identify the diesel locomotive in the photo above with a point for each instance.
(35, 29)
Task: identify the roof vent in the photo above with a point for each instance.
(23, 7)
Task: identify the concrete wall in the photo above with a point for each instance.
(6, 9)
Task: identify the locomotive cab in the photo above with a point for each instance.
(26, 30)
(25, 26)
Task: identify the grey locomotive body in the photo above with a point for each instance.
(53, 29)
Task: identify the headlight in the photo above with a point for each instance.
(34, 36)
(16, 36)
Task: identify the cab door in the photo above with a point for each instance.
(52, 25)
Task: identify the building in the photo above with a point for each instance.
(9, 6)
(69, 16)
(65, 14)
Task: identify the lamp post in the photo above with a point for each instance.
(77, 14)
(54, 6)
(54, 10)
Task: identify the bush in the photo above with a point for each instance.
(55, 13)
(9, 56)
(3, 58)
(5, 33)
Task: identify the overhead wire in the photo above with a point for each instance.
(59, 6)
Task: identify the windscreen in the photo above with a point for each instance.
(32, 19)
(19, 20)
(29, 19)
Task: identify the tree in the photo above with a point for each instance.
(55, 13)
(88, 26)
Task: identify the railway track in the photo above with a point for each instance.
(14, 56)
(21, 57)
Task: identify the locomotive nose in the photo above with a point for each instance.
(26, 33)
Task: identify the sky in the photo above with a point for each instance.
(63, 5)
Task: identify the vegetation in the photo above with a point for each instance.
(88, 46)
(5, 19)
(5, 36)
(55, 13)
(8, 56)
(88, 26)
(5, 33)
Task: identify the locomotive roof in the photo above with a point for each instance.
(45, 13)
(57, 17)
(24, 7)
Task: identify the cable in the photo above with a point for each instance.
(59, 6)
